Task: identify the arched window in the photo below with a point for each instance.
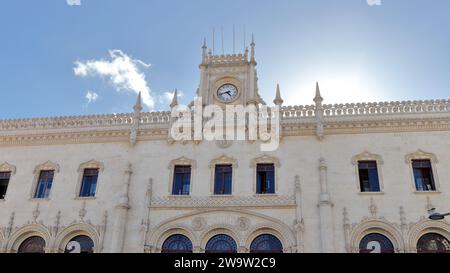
(376, 243)
(80, 244)
(221, 244)
(33, 244)
(433, 243)
(177, 244)
(266, 243)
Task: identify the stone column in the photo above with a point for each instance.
(120, 220)
(325, 212)
(298, 225)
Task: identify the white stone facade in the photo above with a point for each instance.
(318, 205)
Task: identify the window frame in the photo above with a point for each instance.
(223, 160)
(182, 161)
(91, 164)
(11, 169)
(421, 155)
(47, 166)
(265, 159)
(367, 156)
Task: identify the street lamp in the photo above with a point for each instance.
(436, 215)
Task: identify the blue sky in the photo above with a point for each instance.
(398, 50)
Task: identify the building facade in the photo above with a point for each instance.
(345, 178)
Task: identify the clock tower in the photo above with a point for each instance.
(229, 79)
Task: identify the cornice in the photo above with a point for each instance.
(356, 118)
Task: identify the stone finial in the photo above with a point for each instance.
(36, 213)
(138, 106)
(174, 99)
(318, 98)
(278, 100)
(373, 209)
(297, 183)
(204, 51)
(82, 212)
(252, 50)
(402, 217)
(345, 217)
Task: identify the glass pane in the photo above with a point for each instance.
(376, 243)
(266, 243)
(221, 244)
(223, 179)
(44, 184)
(32, 245)
(177, 244)
(433, 243)
(89, 183)
(80, 244)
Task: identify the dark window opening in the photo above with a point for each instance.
(89, 183)
(265, 179)
(181, 180)
(4, 182)
(423, 175)
(368, 176)
(223, 179)
(44, 184)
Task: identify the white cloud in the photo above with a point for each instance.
(374, 2)
(73, 2)
(91, 97)
(123, 72)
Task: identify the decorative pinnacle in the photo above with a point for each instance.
(138, 106)
(175, 99)
(252, 52)
(318, 98)
(278, 100)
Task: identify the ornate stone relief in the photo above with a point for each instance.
(242, 223)
(419, 154)
(6, 167)
(366, 156)
(213, 202)
(265, 159)
(223, 159)
(47, 166)
(199, 223)
(183, 161)
(91, 164)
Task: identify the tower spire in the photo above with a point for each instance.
(318, 98)
(252, 52)
(204, 49)
(278, 100)
(175, 99)
(138, 106)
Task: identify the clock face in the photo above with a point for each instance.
(227, 92)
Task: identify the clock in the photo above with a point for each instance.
(227, 92)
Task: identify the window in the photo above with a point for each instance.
(368, 176)
(376, 243)
(265, 179)
(80, 244)
(33, 244)
(433, 243)
(89, 183)
(423, 175)
(223, 179)
(44, 184)
(4, 181)
(181, 180)
(221, 244)
(177, 244)
(266, 243)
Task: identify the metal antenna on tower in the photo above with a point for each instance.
(223, 50)
(214, 41)
(234, 40)
(244, 38)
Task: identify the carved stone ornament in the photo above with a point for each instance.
(242, 223)
(224, 144)
(47, 166)
(198, 223)
(6, 167)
